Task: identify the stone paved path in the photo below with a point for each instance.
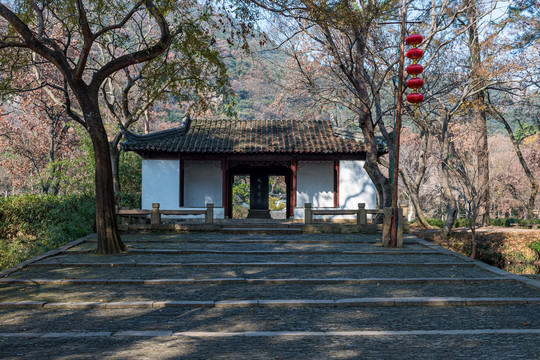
(226, 296)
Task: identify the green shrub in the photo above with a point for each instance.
(506, 222)
(130, 199)
(462, 222)
(240, 211)
(436, 222)
(33, 224)
(535, 246)
(275, 204)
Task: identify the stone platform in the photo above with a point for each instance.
(243, 296)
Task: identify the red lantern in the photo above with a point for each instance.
(414, 39)
(415, 69)
(415, 83)
(414, 53)
(415, 98)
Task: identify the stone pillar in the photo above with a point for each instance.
(361, 217)
(308, 216)
(209, 217)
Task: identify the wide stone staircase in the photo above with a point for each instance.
(238, 295)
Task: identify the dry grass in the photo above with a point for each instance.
(508, 249)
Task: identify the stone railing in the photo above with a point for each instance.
(141, 216)
(361, 218)
(361, 213)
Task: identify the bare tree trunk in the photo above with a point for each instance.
(415, 198)
(484, 202)
(414, 188)
(474, 243)
(479, 117)
(451, 206)
(109, 241)
(534, 183)
(146, 122)
(115, 161)
(381, 182)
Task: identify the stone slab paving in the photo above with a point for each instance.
(490, 346)
(257, 246)
(213, 292)
(217, 296)
(301, 272)
(320, 319)
(240, 258)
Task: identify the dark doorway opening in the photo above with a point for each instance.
(258, 190)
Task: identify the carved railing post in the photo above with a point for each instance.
(308, 216)
(209, 217)
(361, 216)
(155, 216)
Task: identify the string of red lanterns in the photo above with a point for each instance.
(415, 69)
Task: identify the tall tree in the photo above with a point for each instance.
(479, 113)
(190, 74)
(535, 187)
(338, 62)
(65, 34)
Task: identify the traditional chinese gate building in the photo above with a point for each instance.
(195, 164)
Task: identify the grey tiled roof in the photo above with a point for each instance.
(248, 136)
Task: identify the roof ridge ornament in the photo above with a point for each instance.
(132, 137)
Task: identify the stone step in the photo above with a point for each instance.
(233, 280)
(259, 224)
(170, 335)
(265, 252)
(321, 319)
(115, 290)
(280, 303)
(264, 248)
(253, 264)
(493, 344)
(261, 230)
(232, 272)
(252, 258)
(254, 240)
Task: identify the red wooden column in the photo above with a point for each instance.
(294, 169)
(336, 183)
(181, 183)
(224, 187)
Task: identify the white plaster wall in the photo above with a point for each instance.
(161, 184)
(315, 184)
(203, 183)
(355, 186)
